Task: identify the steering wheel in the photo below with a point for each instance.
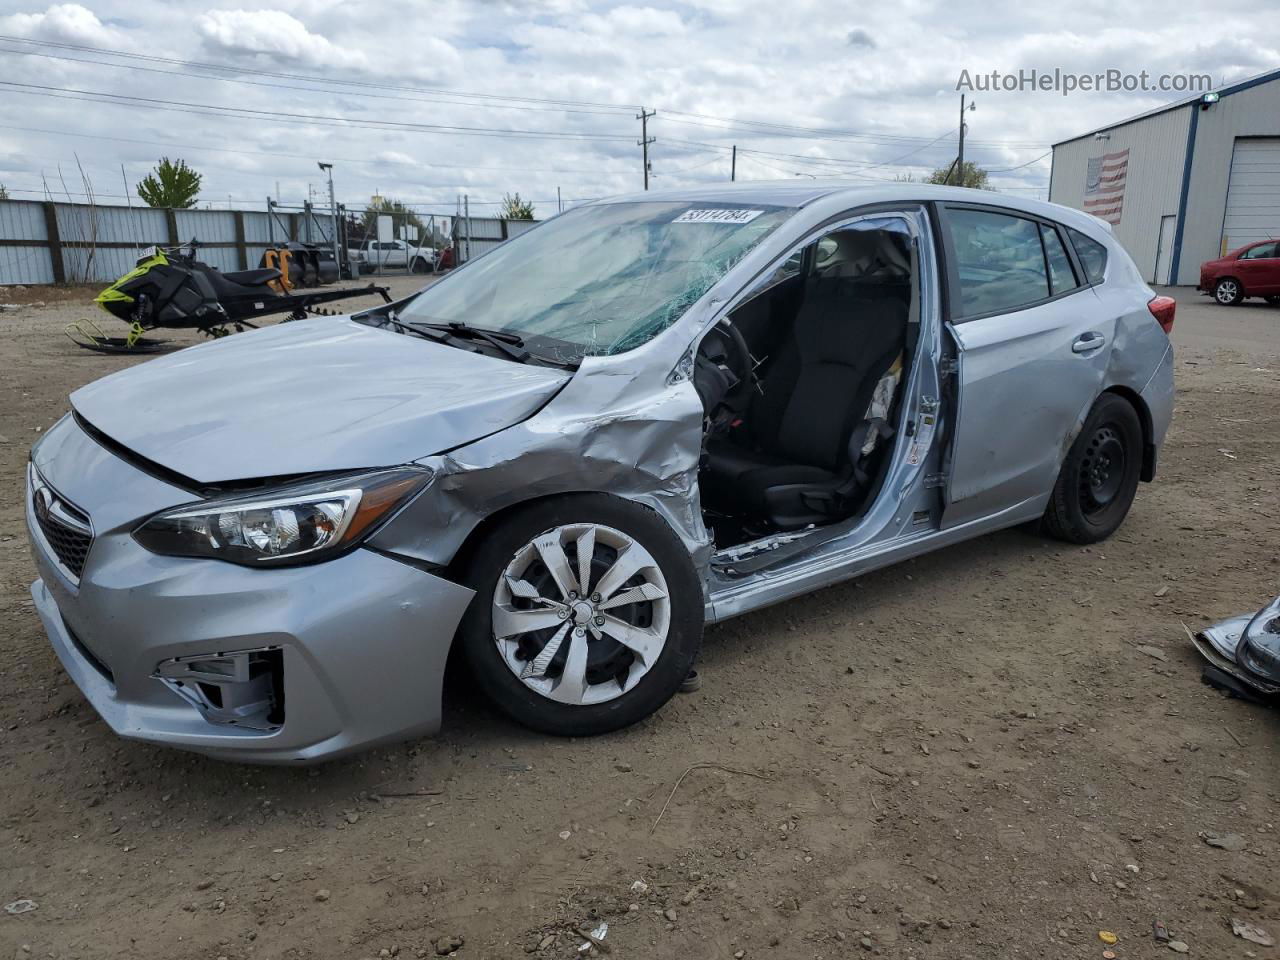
(724, 373)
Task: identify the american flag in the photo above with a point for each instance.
(1104, 186)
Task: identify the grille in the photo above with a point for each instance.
(66, 528)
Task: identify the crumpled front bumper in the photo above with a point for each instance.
(359, 642)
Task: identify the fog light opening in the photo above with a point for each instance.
(241, 689)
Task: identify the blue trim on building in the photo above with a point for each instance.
(1182, 195)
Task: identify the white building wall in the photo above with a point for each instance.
(1156, 148)
(1254, 112)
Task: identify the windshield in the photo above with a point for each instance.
(599, 280)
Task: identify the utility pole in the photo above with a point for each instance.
(960, 152)
(645, 140)
(733, 164)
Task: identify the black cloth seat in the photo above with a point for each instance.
(790, 461)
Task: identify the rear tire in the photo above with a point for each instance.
(1100, 475)
(1228, 291)
(525, 573)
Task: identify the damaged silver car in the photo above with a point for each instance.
(566, 458)
(1243, 654)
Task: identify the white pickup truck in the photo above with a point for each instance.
(392, 255)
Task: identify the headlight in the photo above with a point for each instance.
(300, 524)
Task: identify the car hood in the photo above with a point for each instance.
(315, 395)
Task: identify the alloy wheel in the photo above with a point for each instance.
(581, 613)
(1227, 291)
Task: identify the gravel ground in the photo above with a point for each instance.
(998, 750)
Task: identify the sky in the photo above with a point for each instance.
(423, 101)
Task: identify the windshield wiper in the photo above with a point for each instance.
(509, 343)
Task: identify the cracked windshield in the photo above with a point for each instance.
(600, 280)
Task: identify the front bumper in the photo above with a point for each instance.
(359, 642)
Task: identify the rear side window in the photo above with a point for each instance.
(1061, 277)
(1000, 261)
(1092, 254)
(1266, 251)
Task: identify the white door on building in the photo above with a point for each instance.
(1164, 249)
(1253, 193)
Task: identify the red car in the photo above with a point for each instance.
(1251, 271)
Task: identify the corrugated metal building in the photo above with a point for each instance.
(1184, 183)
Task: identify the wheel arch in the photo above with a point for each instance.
(1148, 430)
(1244, 292)
(457, 565)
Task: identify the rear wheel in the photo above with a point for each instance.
(1228, 291)
(587, 615)
(1099, 476)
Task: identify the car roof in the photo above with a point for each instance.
(790, 193)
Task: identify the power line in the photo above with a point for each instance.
(292, 156)
(286, 86)
(242, 113)
(149, 58)
(815, 133)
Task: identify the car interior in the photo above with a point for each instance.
(801, 385)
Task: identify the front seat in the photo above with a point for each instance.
(790, 462)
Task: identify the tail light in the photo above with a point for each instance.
(1163, 309)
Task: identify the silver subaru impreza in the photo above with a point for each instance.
(566, 458)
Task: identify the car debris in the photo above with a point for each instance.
(1252, 933)
(20, 906)
(1243, 654)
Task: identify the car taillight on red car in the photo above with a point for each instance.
(1163, 309)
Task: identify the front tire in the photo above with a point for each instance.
(1228, 291)
(574, 662)
(419, 266)
(1100, 475)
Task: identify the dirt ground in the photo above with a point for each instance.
(995, 751)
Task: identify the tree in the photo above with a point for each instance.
(173, 186)
(513, 208)
(4, 194)
(399, 213)
(973, 176)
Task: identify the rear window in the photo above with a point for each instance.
(1092, 254)
(1061, 276)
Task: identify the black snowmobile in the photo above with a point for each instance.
(170, 288)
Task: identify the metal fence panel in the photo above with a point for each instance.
(258, 228)
(20, 264)
(139, 227)
(103, 265)
(207, 226)
(22, 220)
(517, 227)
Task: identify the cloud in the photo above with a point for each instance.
(64, 22)
(272, 33)
(860, 38)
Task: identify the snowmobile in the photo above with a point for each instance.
(170, 288)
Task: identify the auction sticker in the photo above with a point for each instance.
(717, 216)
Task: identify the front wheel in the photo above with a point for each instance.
(587, 615)
(1228, 291)
(1100, 475)
(420, 266)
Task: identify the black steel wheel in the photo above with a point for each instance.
(1099, 477)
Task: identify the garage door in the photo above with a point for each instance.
(1253, 195)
